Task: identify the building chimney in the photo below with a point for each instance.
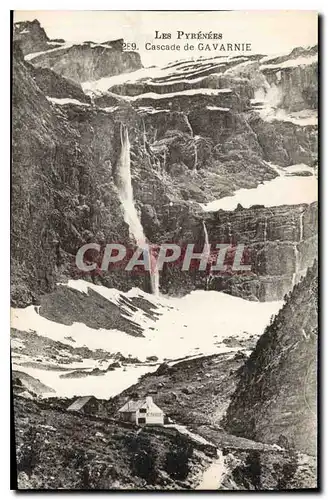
(149, 400)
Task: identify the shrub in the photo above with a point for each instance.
(29, 453)
(177, 459)
(143, 458)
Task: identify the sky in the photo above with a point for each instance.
(269, 32)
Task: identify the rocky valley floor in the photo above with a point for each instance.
(57, 448)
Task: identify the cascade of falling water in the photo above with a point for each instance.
(207, 253)
(196, 137)
(229, 233)
(296, 251)
(301, 226)
(144, 135)
(131, 217)
(297, 265)
(195, 155)
(265, 229)
(154, 275)
(269, 94)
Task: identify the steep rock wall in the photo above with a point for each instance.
(275, 399)
(31, 36)
(80, 63)
(280, 244)
(64, 193)
(87, 62)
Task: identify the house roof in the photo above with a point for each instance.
(79, 403)
(133, 406)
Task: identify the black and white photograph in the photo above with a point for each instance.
(164, 250)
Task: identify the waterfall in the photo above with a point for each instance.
(269, 94)
(196, 137)
(297, 252)
(154, 275)
(144, 135)
(265, 229)
(131, 217)
(195, 156)
(124, 185)
(297, 265)
(207, 253)
(301, 226)
(229, 233)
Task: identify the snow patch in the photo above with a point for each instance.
(301, 167)
(291, 63)
(110, 109)
(272, 57)
(235, 69)
(152, 111)
(56, 43)
(171, 81)
(304, 118)
(205, 91)
(33, 55)
(283, 190)
(173, 334)
(17, 344)
(93, 45)
(64, 100)
(106, 83)
(216, 108)
(104, 387)
(185, 69)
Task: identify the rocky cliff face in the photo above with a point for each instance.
(55, 86)
(60, 192)
(80, 63)
(196, 136)
(31, 36)
(295, 80)
(89, 61)
(280, 244)
(275, 399)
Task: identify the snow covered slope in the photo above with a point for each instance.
(174, 333)
(177, 330)
(291, 187)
